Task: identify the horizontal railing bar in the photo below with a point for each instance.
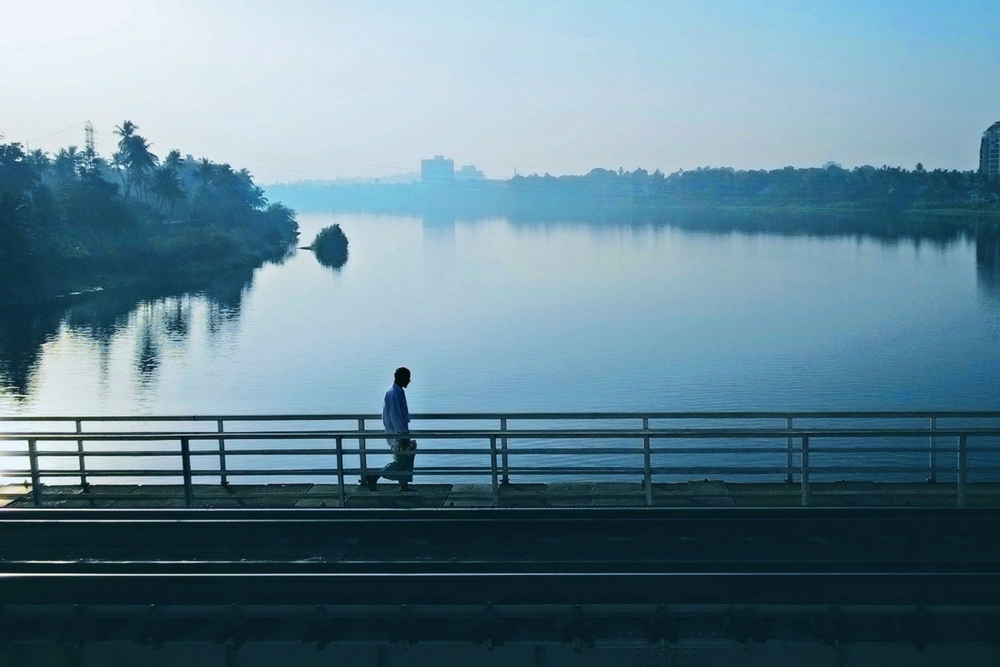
(510, 433)
(566, 451)
(534, 450)
(353, 451)
(331, 472)
(347, 451)
(751, 414)
(565, 416)
(461, 470)
(334, 495)
(192, 418)
(458, 471)
(53, 491)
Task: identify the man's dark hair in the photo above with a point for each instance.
(402, 373)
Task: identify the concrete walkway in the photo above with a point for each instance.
(704, 493)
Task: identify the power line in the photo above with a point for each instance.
(67, 129)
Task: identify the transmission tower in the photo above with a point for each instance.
(89, 150)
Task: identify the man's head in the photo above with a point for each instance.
(402, 376)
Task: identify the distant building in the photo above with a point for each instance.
(438, 170)
(989, 152)
(469, 173)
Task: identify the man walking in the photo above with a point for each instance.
(396, 420)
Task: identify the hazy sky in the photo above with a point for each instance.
(304, 89)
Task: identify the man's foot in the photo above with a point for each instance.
(371, 481)
(404, 487)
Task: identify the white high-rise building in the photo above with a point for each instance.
(989, 152)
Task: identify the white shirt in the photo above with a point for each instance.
(395, 415)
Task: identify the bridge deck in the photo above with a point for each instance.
(790, 581)
(705, 493)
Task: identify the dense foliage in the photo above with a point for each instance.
(76, 219)
(330, 247)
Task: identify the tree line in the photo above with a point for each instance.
(73, 218)
(605, 193)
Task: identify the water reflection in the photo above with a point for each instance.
(939, 231)
(159, 314)
(178, 319)
(988, 262)
(439, 222)
(23, 330)
(148, 354)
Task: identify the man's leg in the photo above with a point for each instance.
(401, 468)
(406, 469)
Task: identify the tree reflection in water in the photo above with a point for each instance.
(163, 313)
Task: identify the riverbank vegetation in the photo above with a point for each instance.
(76, 220)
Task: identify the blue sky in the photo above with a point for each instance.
(313, 89)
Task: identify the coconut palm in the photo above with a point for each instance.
(205, 170)
(67, 164)
(40, 162)
(173, 159)
(141, 161)
(133, 158)
(125, 130)
(120, 157)
(166, 186)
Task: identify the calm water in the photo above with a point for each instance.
(492, 315)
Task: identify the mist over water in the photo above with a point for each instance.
(498, 316)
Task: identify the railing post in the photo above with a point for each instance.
(222, 456)
(340, 471)
(647, 464)
(83, 464)
(805, 470)
(36, 476)
(362, 456)
(186, 466)
(493, 470)
(789, 465)
(503, 447)
(962, 470)
(933, 452)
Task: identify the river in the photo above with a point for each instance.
(493, 315)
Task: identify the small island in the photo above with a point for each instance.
(330, 247)
(76, 221)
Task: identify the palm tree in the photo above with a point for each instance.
(120, 157)
(125, 130)
(166, 185)
(205, 171)
(66, 164)
(40, 162)
(253, 195)
(173, 159)
(133, 156)
(141, 161)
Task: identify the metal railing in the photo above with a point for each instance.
(953, 448)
